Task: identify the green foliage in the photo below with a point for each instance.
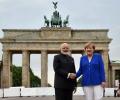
(79, 82)
(17, 77)
(34, 80)
(117, 74)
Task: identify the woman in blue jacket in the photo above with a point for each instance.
(93, 74)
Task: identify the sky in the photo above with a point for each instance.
(84, 14)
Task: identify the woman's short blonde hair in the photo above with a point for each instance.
(89, 44)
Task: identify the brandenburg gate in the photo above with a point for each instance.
(44, 41)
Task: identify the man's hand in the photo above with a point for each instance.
(72, 76)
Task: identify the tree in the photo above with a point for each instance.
(16, 76)
(35, 81)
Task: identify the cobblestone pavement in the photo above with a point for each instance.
(52, 98)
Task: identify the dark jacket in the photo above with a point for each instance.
(64, 64)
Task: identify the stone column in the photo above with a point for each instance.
(44, 68)
(25, 69)
(113, 78)
(105, 59)
(11, 80)
(0, 72)
(6, 76)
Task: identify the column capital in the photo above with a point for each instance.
(105, 50)
(25, 50)
(4, 50)
(43, 50)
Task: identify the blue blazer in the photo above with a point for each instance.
(92, 72)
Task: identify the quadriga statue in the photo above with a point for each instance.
(56, 20)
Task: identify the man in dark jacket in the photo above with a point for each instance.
(64, 68)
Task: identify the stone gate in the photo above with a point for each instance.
(44, 41)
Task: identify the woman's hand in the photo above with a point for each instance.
(103, 84)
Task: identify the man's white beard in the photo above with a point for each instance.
(66, 53)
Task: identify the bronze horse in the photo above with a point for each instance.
(46, 21)
(65, 22)
(56, 20)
